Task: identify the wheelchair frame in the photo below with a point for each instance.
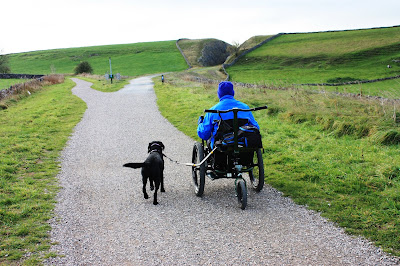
(202, 162)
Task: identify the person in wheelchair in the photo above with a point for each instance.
(209, 124)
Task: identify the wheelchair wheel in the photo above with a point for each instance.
(241, 193)
(198, 172)
(257, 174)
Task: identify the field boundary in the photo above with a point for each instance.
(19, 87)
(262, 86)
(20, 76)
(182, 53)
(349, 82)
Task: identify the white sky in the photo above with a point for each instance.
(28, 25)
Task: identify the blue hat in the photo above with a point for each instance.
(225, 88)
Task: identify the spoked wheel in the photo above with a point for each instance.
(257, 174)
(241, 193)
(198, 171)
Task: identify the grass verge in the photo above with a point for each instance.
(101, 84)
(32, 134)
(323, 151)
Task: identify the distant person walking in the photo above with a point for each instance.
(162, 78)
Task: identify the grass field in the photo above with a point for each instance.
(127, 59)
(326, 57)
(32, 134)
(337, 155)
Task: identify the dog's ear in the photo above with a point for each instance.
(149, 147)
(162, 145)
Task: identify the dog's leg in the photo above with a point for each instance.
(155, 192)
(162, 182)
(144, 187)
(151, 185)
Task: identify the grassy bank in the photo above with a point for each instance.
(32, 134)
(327, 57)
(127, 59)
(339, 156)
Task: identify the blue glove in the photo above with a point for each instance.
(201, 118)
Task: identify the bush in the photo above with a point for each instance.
(4, 68)
(391, 137)
(54, 79)
(83, 67)
(342, 80)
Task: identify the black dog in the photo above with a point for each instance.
(152, 169)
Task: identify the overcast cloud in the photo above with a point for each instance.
(28, 25)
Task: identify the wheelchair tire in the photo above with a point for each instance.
(198, 172)
(257, 174)
(241, 192)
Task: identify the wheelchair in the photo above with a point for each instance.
(231, 157)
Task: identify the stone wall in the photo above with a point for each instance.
(350, 82)
(261, 86)
(180, 50)
(16, 88)
(20, 76)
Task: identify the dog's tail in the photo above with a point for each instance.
(134, 165)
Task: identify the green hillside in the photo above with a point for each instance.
(128, 59)
(326, 57)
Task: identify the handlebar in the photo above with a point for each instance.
(236, 110)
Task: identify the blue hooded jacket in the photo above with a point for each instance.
(208, 128)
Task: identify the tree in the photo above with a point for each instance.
(4, 68)
(83, 67)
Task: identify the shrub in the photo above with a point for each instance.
(83, 67)
(391, 137)
(342, 80)
(392, 172)
(4, 68)
(54, 79)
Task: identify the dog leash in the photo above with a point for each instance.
(174, 161)
(191, 164)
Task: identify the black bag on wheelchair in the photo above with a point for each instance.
(248, 135)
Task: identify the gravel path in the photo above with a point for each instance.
(102, 218)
